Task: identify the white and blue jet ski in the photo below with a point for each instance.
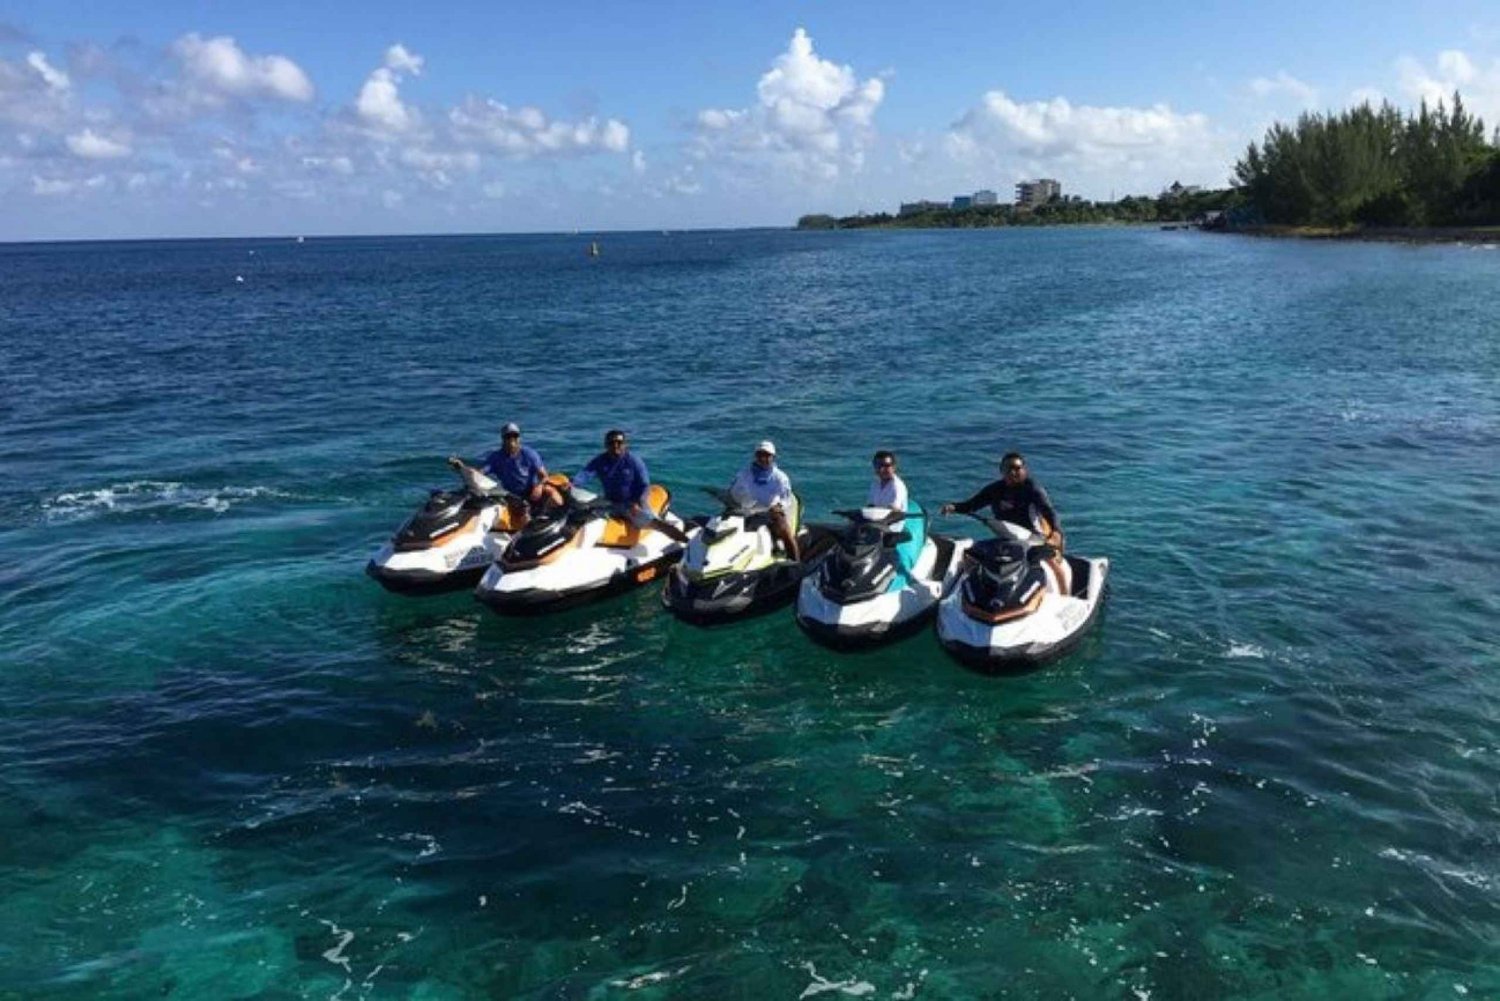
(882, 580)
(449, 542)
(735, 568)
(577, 553)
(1018, 602)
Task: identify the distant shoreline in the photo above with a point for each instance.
(1376, 234)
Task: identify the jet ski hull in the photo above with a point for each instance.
(447, 543)
(457, 566)
(1030, 641)
(883, 618)
(602, 558)
(729, 597)
(875, 624)
(518, 600)
(418, 582)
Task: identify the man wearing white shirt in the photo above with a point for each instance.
(887, 490)
(762, 486)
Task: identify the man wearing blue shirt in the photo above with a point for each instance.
(623, 479)
(519, 469)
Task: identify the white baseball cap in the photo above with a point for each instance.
(766, 446)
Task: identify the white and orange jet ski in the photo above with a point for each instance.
(577, 553)
(449, 542)
(1018, 602)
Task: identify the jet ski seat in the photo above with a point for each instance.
(619, 533)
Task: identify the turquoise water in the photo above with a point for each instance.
(232, 766)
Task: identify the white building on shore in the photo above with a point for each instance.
(1030, 194)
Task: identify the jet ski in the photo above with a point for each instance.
(734, 568)
(577, 553)
(1019, 602)
(881, 582)
(449, 542)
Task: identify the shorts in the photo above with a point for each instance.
(642, 517)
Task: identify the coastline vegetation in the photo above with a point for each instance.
(1167, 207)
(1364, 172)
(1372, 167)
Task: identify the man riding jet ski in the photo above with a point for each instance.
(1016, 498)
(520, 470)
(881, 582)
(748, 559)
(1018, 602)
(590, 546)
(449, 542)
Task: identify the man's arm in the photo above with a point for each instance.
(976, 502)
(460, 465)
(587, 473)
(1044, 505)
(783, 490)
(538, 473)
(739, 488)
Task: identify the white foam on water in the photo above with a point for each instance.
(429, 844)
(1243, 650)
(149, 495)
(1468, 877)
(822, 985)
(336, 955)
(648, 979)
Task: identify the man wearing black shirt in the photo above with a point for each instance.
(1016, 498)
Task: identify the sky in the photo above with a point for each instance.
(121, 120)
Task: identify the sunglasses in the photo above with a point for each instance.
(511, 435)
(884, 465)
(1015, 467)
(614, 441)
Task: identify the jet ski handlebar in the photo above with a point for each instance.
(476, 483)
(1007, 530)
(891, 517)
(732, 505)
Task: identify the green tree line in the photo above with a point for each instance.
(1058, 212)
(1376, 167)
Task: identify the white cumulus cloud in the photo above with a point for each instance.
(50, 186)
(1283, 84)
(526, 132)
(217, 67)
(34, 94)
(402, 60)
(51, 75)
(812, 115)
(379, 105)
(90, 145)
(341, 165)
(1088, 145)
(1477, 82)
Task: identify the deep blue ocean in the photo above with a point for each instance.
(231, 766)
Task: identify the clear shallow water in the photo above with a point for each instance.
(232, 766)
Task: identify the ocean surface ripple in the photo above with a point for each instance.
(231, 766)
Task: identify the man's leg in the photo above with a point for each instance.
(670, 530)
(644, 517)
(518, 513)
(783, 531)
